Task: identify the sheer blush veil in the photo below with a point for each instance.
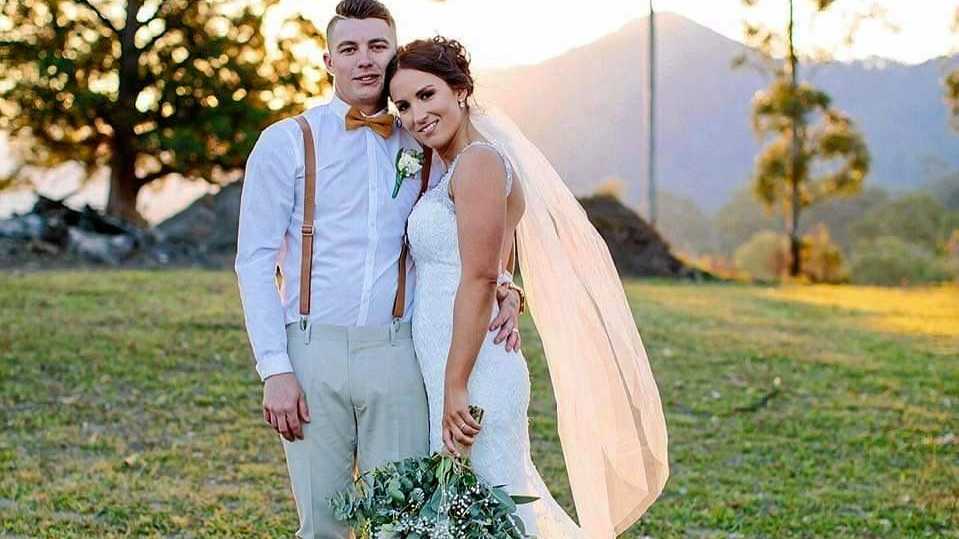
(610, 417)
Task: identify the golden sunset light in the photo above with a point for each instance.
(598, 269)
(502, 33)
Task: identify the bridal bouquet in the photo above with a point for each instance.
(436, 497)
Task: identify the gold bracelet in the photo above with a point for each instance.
(522, 296)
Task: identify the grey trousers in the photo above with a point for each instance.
(367, 403)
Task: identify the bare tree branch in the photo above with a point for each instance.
(100, 16)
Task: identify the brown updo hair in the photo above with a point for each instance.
(439, 56)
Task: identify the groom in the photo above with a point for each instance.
(342, 385)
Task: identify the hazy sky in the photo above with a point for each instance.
(501, 33)
(509, 32)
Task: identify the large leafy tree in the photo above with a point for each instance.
(813, 151)
(149, 88)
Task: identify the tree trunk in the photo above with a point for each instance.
(124, 187)
(795, 264)
(795, 242)
(124, 184)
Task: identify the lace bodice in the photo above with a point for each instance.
(434, 242)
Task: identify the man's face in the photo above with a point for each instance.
(359, 51)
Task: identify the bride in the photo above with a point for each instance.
(461, 233)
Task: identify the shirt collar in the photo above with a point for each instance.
(339, 106)
(342, 107)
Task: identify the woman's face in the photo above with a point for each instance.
(428, 107)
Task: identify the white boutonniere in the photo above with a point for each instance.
(408, 163)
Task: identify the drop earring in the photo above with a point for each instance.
(462, 104)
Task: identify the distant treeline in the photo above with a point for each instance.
(878, 237)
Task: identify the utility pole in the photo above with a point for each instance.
(651, 104)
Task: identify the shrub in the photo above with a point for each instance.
(952, 255)
(889, 260)
(765, 256)
(821, 258)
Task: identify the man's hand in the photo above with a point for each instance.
(284, 406)
(507, 321)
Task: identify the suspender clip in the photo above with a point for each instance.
(305, 329)
(394, 330)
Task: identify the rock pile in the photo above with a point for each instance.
(204, 234)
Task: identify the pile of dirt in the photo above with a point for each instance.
(636, 247)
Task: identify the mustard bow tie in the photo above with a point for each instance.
(381, 124)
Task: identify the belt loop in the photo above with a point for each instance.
(306, 326)
(394, 329)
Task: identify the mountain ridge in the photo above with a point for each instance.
(705, 143)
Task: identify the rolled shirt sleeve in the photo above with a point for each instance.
(266, 210)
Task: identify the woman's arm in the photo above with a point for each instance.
(479, 188)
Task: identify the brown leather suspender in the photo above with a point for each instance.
(307, 231)
(399, 303)
(309, 200)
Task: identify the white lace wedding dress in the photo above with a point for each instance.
(499, 382)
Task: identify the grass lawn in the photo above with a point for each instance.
(130, 406)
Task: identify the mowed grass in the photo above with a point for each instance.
(130, 407)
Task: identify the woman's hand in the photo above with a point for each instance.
(459, 427)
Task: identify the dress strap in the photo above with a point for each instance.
(493, 146)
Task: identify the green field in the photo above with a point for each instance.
(130, 407)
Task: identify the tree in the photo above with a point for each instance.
(952, 86)
(149, 88)
(912, 238)
(946, 190)
(889, 260)
(917, 218)
(952, 96)
(804, 162)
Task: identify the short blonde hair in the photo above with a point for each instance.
(359, 9)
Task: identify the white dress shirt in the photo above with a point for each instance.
(359, 229)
